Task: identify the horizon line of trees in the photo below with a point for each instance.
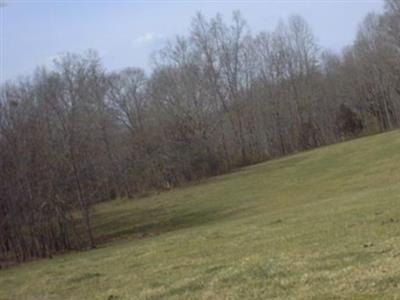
(217, 98)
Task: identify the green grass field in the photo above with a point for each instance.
(323, 224)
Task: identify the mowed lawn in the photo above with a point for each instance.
(323, 224)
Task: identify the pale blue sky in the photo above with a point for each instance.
(125, 33)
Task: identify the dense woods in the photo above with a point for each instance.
(219, 98)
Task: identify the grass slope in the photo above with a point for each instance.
(323, 224)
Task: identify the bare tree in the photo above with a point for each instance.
(216, 99)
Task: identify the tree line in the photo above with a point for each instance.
(218, 98)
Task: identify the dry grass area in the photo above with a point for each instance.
(323, 224)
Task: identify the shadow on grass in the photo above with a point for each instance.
(157, 222)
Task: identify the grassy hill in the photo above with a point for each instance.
(323, 224)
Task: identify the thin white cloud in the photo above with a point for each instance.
(147, 38)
